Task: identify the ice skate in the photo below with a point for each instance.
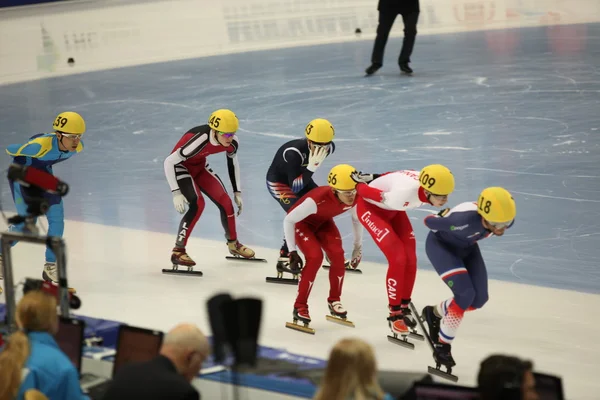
(411, 323)
(302, 315)
(338, 314)
(398, 328)
(283, 266)
(179, 258)
(50, 274)
(440, 351)
(240, 252)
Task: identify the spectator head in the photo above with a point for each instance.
(187, 347)
(351, 373)
(501, 376)
(36, 312)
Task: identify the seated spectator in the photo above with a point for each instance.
(32, 359)
(351, 373)
(169, 375)
(506, 377)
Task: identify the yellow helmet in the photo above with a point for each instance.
(320, 131)
(340, 177)
(69, 122)
(223, 121)
(496, 205)
(437, 179)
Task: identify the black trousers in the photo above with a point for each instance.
(388, 11)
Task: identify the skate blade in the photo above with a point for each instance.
(441, 374)
(300, 328)
(340, 321)
(416, 336)
(401, 342)
(285, 281)
(420, 321)
(176, 271)
(348, 269)
(240, 258)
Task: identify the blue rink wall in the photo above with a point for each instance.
(515, 107)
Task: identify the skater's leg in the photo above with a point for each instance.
(309, 245)
(387, 16)
(403, 228)
(196, 206)
(56, 225)
(329, 235)
(378, 223)
(453, 272)
(410, 16)
(211, 185)
(478, 273)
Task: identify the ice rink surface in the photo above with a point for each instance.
(517, 108)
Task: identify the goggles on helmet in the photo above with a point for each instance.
(70, 135)
(346, 192)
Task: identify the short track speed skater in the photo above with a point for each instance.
(441, 352)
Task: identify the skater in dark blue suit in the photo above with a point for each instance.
(453, 251)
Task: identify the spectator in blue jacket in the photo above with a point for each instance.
(32, 359)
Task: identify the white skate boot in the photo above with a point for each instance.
(338, 314)
(51, 275)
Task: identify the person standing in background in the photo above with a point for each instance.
(388, 11)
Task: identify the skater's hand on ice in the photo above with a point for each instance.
(356, 256)
(179, 201)
(295, 261)
(359, 177)
(316, 158)
(237, 197)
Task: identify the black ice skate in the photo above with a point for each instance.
(411, 323)
(338, 314)
(283, 265)
(302, 315)
(405, 68)
(179, 258)
(372, 69)
(440, 351)
(347, 265)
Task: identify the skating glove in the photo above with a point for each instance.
(237, 197)
(359, 177)
(295, 261)
(316, 157)
(179, 201)
(356, 256)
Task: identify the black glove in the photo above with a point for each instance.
(443, 212)
(296, 263)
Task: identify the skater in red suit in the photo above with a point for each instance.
(309, 226)
(189, 177)
(387, 222)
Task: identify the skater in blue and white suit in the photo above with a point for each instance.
(453, 251)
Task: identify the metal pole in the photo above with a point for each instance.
(9, 286)
(57, 245)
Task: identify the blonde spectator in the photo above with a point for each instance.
(351, 373)
(31, 359)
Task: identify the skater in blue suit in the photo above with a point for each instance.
(453, 251)
(42, 152)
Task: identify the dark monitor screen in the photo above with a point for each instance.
(549, 387)
(70, 339)
(136, 345)
(439, 391)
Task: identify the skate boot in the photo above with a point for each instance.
(405, 68)
(398, 327)
(442, 354)
(301, 314)
(180, 257)
(237, 249)
(374, 67)
(338, 314)
(433, 323)
(51, 275)
(411, 323)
